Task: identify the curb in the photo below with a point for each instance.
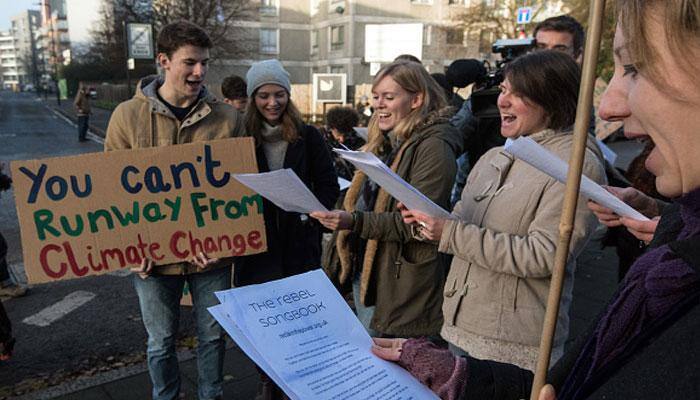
(88, 382)
(94, 133)
(96, 130)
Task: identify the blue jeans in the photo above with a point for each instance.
(4, 271)
(364, 314)
(82, 126)
(159, 299)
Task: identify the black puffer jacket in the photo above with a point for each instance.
(293, 240)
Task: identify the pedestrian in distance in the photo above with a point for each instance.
(340, 124)
(397, 278)
(234, 91)
(644, 344)
(283, 140)
(364, 109)
(167, 110)
(82, 110)
(8, 287)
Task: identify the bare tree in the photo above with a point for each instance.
(219, 18)
(498, 19)
(580, 9)
(497, 16)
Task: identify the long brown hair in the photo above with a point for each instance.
(291, 121)
(413, 78)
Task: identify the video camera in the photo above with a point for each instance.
(486, 89)
(486, 124)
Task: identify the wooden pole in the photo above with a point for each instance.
(573, 180)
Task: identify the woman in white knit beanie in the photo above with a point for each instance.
(284, 141)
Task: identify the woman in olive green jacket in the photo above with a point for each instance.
(401, 276)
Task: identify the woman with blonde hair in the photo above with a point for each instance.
(397, 278)
(645, 343)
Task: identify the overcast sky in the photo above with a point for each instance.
(81, 15)
(10, 8)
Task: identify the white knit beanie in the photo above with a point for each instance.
(267, 72)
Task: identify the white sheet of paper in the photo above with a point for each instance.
(226, 322)
(608, 153)
(361, 132)
(343, 183)
(284, 188)
(411, 197)
(532, 153)
(301, 332)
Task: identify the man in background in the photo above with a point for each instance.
(234, 90)
(82, 110)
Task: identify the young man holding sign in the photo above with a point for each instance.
(172, 109)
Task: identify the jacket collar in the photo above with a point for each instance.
(147, 91)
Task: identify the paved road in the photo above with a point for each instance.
(103, 327)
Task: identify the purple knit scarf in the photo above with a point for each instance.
(657, 282)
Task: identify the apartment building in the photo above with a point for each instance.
(316, 36)
(9, 68)
(24, 28)
(52, 39)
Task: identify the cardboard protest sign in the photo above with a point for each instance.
(95, 213)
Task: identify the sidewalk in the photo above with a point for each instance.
(133, 383)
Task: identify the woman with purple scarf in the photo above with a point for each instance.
(646, 343)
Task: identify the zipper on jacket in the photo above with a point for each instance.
(397, 266)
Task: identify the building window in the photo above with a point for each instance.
(336, 69)
(314, 41)
(454, 36)
(314, 6)
(269, 7)
(421, 1)
(486, 39)
(269, 41)
(337, 37)
(427, 35)
(457, 2)
(489, 3)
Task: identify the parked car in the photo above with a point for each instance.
(92, 93)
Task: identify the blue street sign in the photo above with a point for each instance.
(524, 15)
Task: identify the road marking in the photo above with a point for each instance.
(120, 272)
(58, 310)
(90, 134)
